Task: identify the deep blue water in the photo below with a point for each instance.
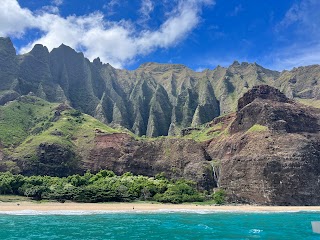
(177, 225)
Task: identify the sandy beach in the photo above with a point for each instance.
(136, 207)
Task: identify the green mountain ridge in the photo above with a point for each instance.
(153, 100)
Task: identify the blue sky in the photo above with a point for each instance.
(278, 34)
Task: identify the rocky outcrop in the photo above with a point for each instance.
(121, 153)
(7, 96)
(269, 107)
(262, 92)
(52, 160)
(275, 165)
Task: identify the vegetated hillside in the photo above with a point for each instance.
(154, 100)
(42, 138)
(30, 125)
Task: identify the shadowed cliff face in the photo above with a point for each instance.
(177, 158)
(272, 155)
(8, 65)
(52, 160)
(154, 100)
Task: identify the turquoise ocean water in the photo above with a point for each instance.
(157, 225)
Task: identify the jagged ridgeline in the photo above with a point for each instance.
(154, 100)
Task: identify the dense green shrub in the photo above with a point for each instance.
(180, 191)
(219, 196)
(75, 113)
(104, 186)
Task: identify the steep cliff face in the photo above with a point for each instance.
(177, 158)
(302, 82)
(272, 153)
(8, 65)
(153, 100)
(51, 159)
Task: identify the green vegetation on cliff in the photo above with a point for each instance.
(258, 128)
(30, 125)
(20, 118)
(309, 102)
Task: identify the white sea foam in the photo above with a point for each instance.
(159, 211)
(211, 211)
(93, 212)
(204, 226)
(59, 212)
(255, 231)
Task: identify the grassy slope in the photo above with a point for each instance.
(309, 102)
(205, 133)
(257, 128)
(28, 122)
(209, 132)
(19, 118)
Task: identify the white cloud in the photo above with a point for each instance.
(50, 9)
(303, 16)
(13, 19)
(146, 9)
(113, 3)
(57, 2)
(236, 11)
(110, 6)
(171, 31)
(299, 30)
(200, 69)
(294, 56)
(115, 42)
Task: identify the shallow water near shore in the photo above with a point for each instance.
(158, 225)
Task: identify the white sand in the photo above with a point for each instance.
(70, 206)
